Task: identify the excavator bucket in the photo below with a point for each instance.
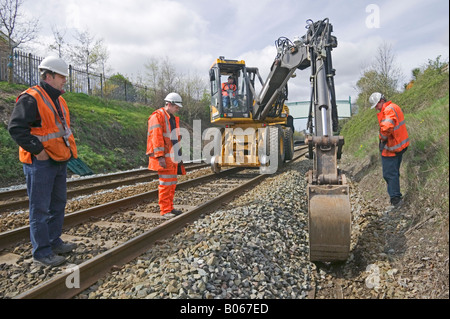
(329, 222)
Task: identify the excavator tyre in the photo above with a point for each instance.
(329, 222)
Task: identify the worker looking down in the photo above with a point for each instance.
(40, 125)
(393, 143)
(229, 92)
(164, 151)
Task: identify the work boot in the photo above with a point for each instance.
(51, 260)
(397, 202)
(176, 212)
(173, 213)
(64, 248)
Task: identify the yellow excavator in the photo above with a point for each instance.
(257, 130)
(246, 134)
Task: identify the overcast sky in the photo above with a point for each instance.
(193, 33)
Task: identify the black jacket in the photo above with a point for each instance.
(26, 115)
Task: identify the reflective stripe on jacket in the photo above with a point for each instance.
(392, 129)
(54, 132)
(159, 142)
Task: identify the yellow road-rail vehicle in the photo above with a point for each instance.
(257, 130)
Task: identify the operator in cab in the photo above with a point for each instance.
(229, 93)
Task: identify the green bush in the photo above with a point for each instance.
(10, 167)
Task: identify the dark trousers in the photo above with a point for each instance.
(391, 174)
(46, 186)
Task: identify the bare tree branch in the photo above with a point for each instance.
(383, 75)
(88, 52)
(18, 31)
(59, 43)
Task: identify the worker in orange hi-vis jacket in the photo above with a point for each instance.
(394, 141)
(229, 94)
(40, 124)
(164, 153)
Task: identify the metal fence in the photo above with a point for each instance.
(25, 71)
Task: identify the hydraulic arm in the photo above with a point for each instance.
(328, 192)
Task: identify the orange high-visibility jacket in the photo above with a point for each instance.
(159, 142)
(52, 131)
(226, 87)
(392, 129)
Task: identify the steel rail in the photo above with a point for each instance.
(71, 193)
(22, 192)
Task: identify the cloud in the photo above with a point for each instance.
(73, 15)
(192, 33)
(164, 25)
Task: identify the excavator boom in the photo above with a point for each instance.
(328, 193)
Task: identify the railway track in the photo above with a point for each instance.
(17, 199)
(106, 247)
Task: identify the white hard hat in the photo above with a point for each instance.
(375, 98)
(174, 98)
(54, 64)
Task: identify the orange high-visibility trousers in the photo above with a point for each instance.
(166, 189)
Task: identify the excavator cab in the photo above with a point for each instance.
(229, 101)
(265, 142)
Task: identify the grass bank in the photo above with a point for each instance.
(110, 135)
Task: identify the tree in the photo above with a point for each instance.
(366, 85)
(59, 43)
(18, 30)
(390, 75)
(103, 56)
(88, 52)
(162, 79)
(195, 97)
(118, 87)
(382, 76)
(152, 79)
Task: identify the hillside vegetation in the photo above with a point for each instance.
(110, 135)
